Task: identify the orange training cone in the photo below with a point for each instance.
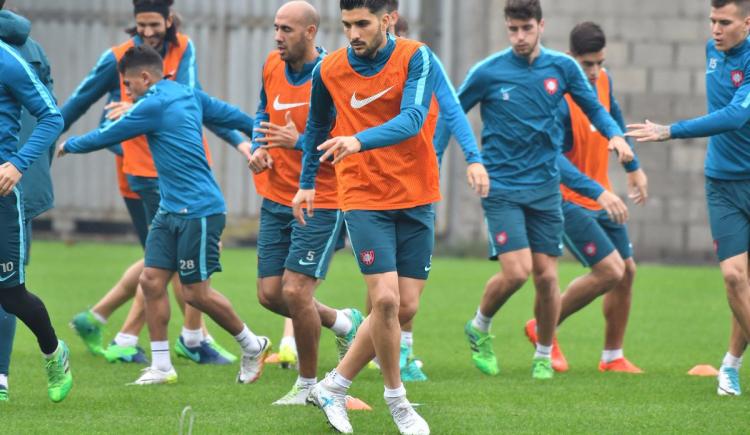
(703, 370)
(354, 404)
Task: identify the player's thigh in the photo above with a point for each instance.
(373, 237)
(415, 240)
(728, 218)
(274, 238)
(506, 226)
(313, 245)
(198, 247)
(161, 243)
(12, 243)
(545, 224)
(584, 237)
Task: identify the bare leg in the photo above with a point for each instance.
(547, 306)
(123, 291)
(602, 278)
(298, 290)
(616, 308)
(137, 315)
(516, 268)
(735, 272)
(154, 284)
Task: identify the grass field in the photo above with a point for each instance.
(680, 318)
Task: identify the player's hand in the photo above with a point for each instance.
(259, 161)
(619, 145)
(303, 199)
(614, 206)
(638, 186)
(279, 136)
(478, 179)
(341, 147)
(61, 150)
(9, 177)
(116, 109)
(649, 132)
(246, 149)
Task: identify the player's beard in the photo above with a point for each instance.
(528, 48)
(372, 49)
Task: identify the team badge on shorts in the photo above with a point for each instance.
(501, 238)
(367, 257)
(590, 249)
(551, 86)
(738, 76)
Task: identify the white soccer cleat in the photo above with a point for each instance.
(407, 420)
(333, 406)
(154, 376)
(251, 366)
(296, 396)
(729, 382)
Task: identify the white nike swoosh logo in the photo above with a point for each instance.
(358, 104)
(278, 106)
(710, 71)
(506, 90)
(427, 268)
(3, 279)
(304, 263)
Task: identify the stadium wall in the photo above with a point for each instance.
(655, 55)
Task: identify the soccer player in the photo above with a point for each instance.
(293, 259)
(520, 90)
(727, 166)
(374, 98)
(458, 125)
(591, 234)
(36, 183)
(185, 233)
(21, 88)
(156, 27)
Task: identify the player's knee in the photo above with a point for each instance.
(407, 309)
(386, 302)
(610, 271)
(149, 283)
(295, 292)
(546, 280)
(630, 270)
(517, 276)
(735, 280)
(269, 298)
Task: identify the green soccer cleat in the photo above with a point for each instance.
(221, 351)
(411, 372)
(481, 350)
(90, 331)
(4, 394)
(127, 354)
(541, 368)
(344, 343)
(59, 378)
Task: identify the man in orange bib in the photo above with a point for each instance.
(591, 234)
(293, 259)
(378, 93)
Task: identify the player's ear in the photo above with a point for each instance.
(541, 25)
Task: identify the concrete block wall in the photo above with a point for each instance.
(656, 56)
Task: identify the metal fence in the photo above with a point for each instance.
(655, 54)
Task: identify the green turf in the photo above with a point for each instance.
(680, 318)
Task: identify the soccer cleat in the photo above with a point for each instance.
(296, 396)
(729, 382)
(333, 406)
(251, 366)
(410, 369)
(153, 376)
(407, 420)
(59, 377)
(90, 331)
(287, 357)
(559, 363)
(4, 397)
(345, 342)
(620, 365)
(221, 351)
(481, 350)
(201, 354)
(541, 368)
(127, 354)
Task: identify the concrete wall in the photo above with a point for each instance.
(655, 55)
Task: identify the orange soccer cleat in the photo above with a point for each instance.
(620, 365)
(559, 363)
